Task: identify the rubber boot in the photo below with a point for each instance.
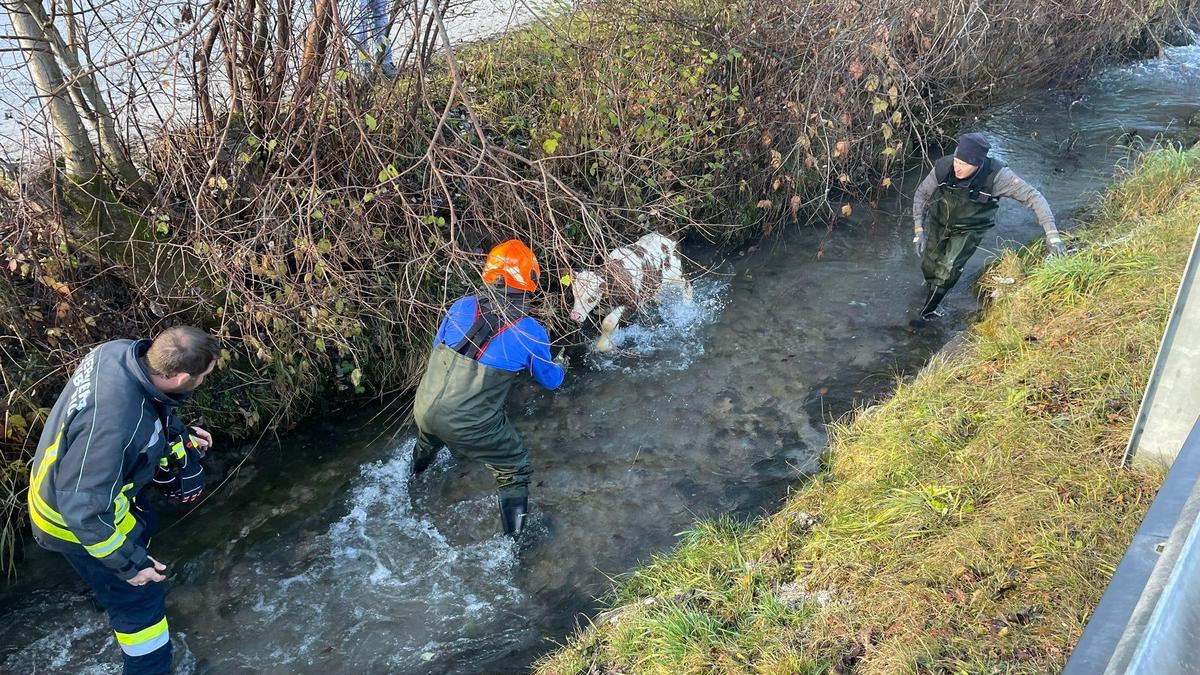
(423, 456)
(421, 462)
(929, 311)
(513, 513)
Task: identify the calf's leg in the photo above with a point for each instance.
(673, 275)
(607, 327)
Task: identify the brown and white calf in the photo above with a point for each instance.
(630, 276)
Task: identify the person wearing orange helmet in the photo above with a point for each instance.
(484, 343)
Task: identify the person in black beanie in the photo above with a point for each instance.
(955, 205)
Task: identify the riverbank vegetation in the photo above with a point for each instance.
(970, 522)
(316, 217)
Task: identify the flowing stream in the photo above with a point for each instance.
(322, 556)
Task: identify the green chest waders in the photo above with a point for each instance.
(961, 213)
(460, 403)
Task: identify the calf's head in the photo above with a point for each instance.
(585, 287)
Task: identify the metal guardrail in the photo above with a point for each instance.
(1148, 621)
(1172, 395)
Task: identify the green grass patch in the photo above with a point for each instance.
(970, 522)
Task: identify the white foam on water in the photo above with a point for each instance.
(380, 573)
(666, 337)
(79, 642)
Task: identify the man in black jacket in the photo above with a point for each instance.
(109, 435)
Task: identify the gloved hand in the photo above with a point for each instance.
(1055, 245)
(562, 360)
(179, 476)
(919, 240)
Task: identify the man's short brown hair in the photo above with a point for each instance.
(182, 349)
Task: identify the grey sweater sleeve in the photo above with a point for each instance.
(921, 200)
(1009, 184)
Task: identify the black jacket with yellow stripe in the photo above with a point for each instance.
(101, 445)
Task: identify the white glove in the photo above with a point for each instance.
(919, 241)
(1055, 245)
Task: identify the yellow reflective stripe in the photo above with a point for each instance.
(36, 483)
(107, 546)
(47, 512)
(52, 523)
(126, 524)
(48, 459)
(49, 527)
(143, 636)
(145, 640)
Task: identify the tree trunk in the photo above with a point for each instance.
(89, 99)
(315, 43)
(281, 49)
(203, 62)
(79, 155)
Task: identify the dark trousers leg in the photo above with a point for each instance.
(935, 251)
(137, 615)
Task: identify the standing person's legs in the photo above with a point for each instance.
(935, 245)
(943, 265)
(505, 455)
(137, 615)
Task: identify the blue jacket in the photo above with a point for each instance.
(522, 345)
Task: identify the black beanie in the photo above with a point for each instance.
(972, 148)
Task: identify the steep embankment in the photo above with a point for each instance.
(970, 522)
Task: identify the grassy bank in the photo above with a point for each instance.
(970, 522)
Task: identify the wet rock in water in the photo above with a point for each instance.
(1149, 45)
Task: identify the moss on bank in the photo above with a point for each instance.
(970, 522)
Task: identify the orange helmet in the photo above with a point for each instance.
(515, 262)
